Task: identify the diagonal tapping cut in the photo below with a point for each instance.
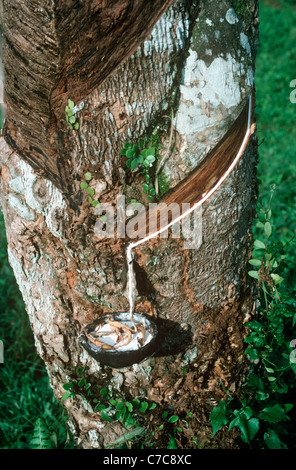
(200, 185)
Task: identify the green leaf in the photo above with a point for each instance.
(255, 382)
(252, 427)
(172, 443)
(88, 176)
(259, 224)
(268, 229)
(273, 414)
(140, 144)
(261, 395)
(255, 262)
(288, 407)
(145, 188)
(120, 406)
(123, 152)
(248, 427)
(130, 153)
(128, 420)
(119, 415)
(152, 406)
(259, 244)
(151, 151)
(273, 263)
(257, 341)
(254, 274)
(83, 185)
(67, 386)
(81, 382)
(252, 353)
(66, 395)
(136, 402)
(95, 203)
(272, 440)
(71, 104)
(68, 114)
(134, 164)
(173, 419)
(129, 406)
(276, 278)
(105, 416)
(72, 119)
(151, 198)
(152, 191)
(100, 407)
(41, 436)
(144, 406)
(127, 145)
(150, 159)
(76, 126)
(248, 412)
(91, 191)
(218, 417)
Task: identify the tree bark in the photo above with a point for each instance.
(191, 66)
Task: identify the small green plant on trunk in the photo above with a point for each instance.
(140, 160)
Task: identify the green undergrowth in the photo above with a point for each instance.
(265, 412)
(144, 424)
(25, 394)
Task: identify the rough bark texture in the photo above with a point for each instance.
(58, 50)
(198, 62)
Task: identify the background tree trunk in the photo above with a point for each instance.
(197, 62)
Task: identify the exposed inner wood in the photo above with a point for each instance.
(202, 179)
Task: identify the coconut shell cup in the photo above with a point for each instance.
(115, 358)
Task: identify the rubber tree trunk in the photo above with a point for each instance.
(133, 69)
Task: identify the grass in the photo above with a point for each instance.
(25, 392)
(26, 396)
(276, 116)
